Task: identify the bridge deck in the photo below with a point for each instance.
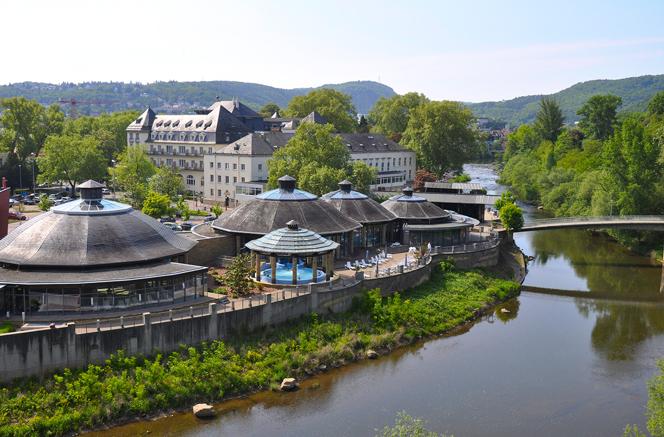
(625, 221)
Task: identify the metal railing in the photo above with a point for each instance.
(465, 248)
(596, 220)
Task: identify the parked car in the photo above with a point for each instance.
(174, 226)
(209, 218)
(186, 226)
(53, 197)
(29, 201)
(15, 215)
(224, 299)
(11, 202)
(105, 191)
(167, 219)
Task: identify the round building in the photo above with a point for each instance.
(377, 222)
(270, 210)
(94, 254)
(421, 222)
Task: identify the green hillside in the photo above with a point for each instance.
(97, 97)
(635, 92)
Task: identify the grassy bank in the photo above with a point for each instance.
(127, 387)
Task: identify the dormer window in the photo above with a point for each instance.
(187, 124)
(168, 123)
(159, 123)
(176, 123)
(208, 124)
(199, 124)
(139, 120)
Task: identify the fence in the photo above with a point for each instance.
(466, 248)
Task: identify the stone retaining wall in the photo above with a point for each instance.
(468, 260)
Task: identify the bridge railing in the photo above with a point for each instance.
(596, 220)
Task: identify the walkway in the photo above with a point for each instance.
(649, 222)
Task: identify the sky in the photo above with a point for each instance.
(456, 50)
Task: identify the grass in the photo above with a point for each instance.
(126, 387)
(6, 327)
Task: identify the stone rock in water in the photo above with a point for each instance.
(288, 384)
(203, 411)
(372, 354)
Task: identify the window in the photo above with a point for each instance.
(211, 178)
(226, 166)
(399, 162)
(201, 163)
(169, 149)
(211, 164)
(242, 178)
(394, 162)
(211, 192)
(241, 166)
(182, 150)
(219, 193)
(219, 165)
(210, 150)
(234, 166)
(227, 179)
(190, 180)
(260, 167)
(410, 161)
(234, 179)
(182, 163)
(200, 149)
(219, 178)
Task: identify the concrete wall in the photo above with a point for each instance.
(469, 260)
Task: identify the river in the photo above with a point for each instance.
(555, 365)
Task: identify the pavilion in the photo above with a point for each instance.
(377, 222)
(421, 222)
(270, 210)
(92, 255)
(294, 255)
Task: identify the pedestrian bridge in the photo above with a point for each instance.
(640, 222)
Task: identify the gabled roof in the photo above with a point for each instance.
(371, 143)
(257, 144)
(236, 108)
(144, 121)
(314, 117)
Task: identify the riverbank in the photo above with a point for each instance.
(128, 388)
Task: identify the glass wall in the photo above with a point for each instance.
(102, 297)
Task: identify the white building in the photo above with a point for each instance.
(239, 170)
(182, 141)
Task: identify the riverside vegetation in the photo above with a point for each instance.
(127, 387)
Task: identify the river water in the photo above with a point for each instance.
(555, 365)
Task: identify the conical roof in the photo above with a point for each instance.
(144, 121)
(270, 210)
(408, 206)
(356, 205)
(292, 240)
(91, 232)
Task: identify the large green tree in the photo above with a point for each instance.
(656, 104)
(442, 134)
(598, 115)
(156, 205)
(269, 109)
(549, 121)
(335, 106)
(319, 160)
(26, 124)
(390, 115)
(132, 172)
(108, 129)
(167, 181)
(71, 159)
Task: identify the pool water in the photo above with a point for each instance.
(285, 274)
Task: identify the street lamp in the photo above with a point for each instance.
(33, 170)
(113, 162)
(20, 176)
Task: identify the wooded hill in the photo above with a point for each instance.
(634, 91)
(98, 97)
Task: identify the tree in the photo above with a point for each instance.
(423, 176)
(183, 208)
(523, 139)
(237, 277)
(108, 129)
(549, 120)
(216, 209)
(362, 176)
(363, 125)
(26, 124)
(335, 106)
(390, 116)
(269, 109)
(157, 205)
(442, 134)
(656, 104)
(132, 173)
(506, 197)
(309, 156)
(71, 159)
(45, 203)
(511, 217)
(598, 115)
(166, 181)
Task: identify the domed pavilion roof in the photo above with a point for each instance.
(90, 231)
(357, 206)
(292, 240)
(408, 206)
(270, 210)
